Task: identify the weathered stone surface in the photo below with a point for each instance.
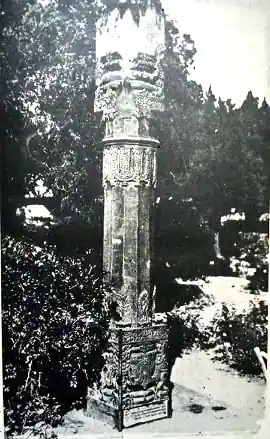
(129, 178)
(137, 61)
(134, 385)
(130, 86)
(146, 413)
(146, 99)
(130, 163)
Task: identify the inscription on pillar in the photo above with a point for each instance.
(146, 413)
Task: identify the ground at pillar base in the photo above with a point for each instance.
(194, 414)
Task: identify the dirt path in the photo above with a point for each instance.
(198, 372)
(230, 290)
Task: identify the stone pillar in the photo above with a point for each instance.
(134, 385)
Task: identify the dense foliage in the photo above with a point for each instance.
(257, 250)
(186, 319)
(249, 258)
(213, 157)
(54, 330)
(231, 335)
(234, 335)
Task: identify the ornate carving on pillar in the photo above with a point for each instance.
(130, 164)
(130, 85)
(128, 106)
(137, 359)
(144, 307)
(134, 382)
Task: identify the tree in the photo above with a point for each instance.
(180, 226)
(13, 163)
(50, 91)
(207, 162)
(255, 126)
(62, 127)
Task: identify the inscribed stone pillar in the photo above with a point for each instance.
(134, 382)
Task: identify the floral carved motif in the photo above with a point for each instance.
(129, 164)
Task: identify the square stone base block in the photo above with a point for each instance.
(135, 387)
(125, 418)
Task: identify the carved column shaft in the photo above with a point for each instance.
(134, 382)
(129, 177)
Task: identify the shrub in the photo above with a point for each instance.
(186, 327)
(54, 330)
(257, 251)
(234, 335)
(251, 261)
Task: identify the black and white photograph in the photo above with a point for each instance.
(135, 165)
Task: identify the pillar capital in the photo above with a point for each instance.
(129, 79)
(127, 106)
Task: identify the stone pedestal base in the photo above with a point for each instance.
(134, 383)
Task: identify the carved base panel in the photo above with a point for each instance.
(134, 385)
(146, 413)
